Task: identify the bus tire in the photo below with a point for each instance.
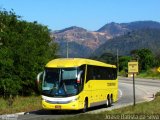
(85, 106)
(109, 101)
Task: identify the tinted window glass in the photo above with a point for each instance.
(101, 73)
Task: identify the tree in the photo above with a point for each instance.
(25, 49)
(145, 58)
(123, 63)
(157, 60)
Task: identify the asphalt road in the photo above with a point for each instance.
(145, 91)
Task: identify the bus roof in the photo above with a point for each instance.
(75, 62)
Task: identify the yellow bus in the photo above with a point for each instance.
(78, 84)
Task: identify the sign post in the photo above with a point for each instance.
(133, 68)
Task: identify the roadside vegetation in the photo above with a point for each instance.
(20, 104)
(25, 47)
(151, 74)
(145, 110)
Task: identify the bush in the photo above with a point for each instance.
(25, 49)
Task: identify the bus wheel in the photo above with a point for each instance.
(111, 100)
(108, 101)
(85, 106)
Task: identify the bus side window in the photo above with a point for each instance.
(82, 68)
(90, 75)
(82, 77)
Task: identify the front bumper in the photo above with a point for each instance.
(69, 106)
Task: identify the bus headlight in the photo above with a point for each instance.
(75, 99)
(59, 101)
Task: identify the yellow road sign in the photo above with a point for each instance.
(132, 67)
(158, 69)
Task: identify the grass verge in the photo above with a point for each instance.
(20, 104)
(146, 110)
(152, 73)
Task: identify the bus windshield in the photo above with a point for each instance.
(60, 82)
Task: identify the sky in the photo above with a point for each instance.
(88, 14)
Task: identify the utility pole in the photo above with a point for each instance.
(67, 49)
(117, 63)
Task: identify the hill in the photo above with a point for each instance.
(117, 29)
(81, 40)
(144, 38)
(81, 36)
(74, 50)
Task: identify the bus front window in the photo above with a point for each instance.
(51, 79)
(60, 82)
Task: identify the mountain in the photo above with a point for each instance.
(114, 29)
(81, 36)
(138, 39)
(117, 29)
(84, 40)
(82, 43)
(74, 50)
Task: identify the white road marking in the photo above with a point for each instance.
(120, 93)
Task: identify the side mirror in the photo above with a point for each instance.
(39, 76)
(79, 79)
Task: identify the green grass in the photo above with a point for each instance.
(152, 73)
(146, 109)
(20, 104)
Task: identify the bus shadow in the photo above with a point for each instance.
(52, 112)
(62, 112)
(97, 108)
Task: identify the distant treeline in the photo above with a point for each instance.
(144, 56)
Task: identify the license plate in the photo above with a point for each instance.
(57, 107)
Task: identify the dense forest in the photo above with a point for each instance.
(25, 47)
